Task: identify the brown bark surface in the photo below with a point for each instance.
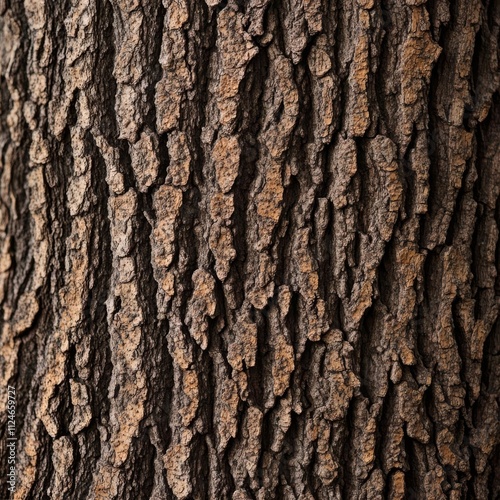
(250, 249)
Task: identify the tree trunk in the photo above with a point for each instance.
(249, 249)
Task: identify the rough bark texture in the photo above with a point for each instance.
(249, 249)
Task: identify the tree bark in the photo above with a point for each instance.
(249, 249)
